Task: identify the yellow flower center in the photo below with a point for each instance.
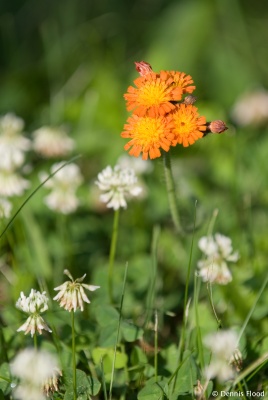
(185, 123)
(153, 93)
(149, 131)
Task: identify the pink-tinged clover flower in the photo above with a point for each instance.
(71, 294)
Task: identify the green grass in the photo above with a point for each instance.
(72, 66)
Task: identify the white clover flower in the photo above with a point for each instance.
(223, 345)
(33, 368)
(5, 208)
(34, 304)
(251, 108)
(64, 185)
(51, 384)
(12, 143)
(12, 184)
(218, 251)
(118, 184)
(52, 142)
(71, 293)
(11, 124)
(34, 323)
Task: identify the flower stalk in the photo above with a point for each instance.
(112, 254)
(171, 192)
(73, 356)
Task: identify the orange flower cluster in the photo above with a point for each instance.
(161, 116)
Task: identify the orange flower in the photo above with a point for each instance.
(182, 81)
(153, 95)
(188, 126)
(148, 135)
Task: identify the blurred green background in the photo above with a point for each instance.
(71, 61)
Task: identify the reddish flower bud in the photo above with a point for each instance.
(217, 126)
(143, 68)
(190, 99)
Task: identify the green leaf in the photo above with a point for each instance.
(5, 378)
(138, 357)
(86, 386)
(186, 376)
(153, 390)
(107, 356)
(131, 332)
(108, 335)
(107, 315)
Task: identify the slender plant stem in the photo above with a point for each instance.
(112, 254)
(197, 284)
(185, 306)
(181, 346)
(155, 345)
(252, 309)
(152, 289)
(35, 341)
(210, 297)
(118, 331)
(103, 381)
(33, 193)
(171, 192)
(73, 356)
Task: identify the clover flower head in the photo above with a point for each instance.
(5, 208)
(52, 142)
(251, 108)
(71, 294)
(118, 184)
(63, 185)
(11, 124)
(11, 183)
(35, 304)
(33, 369)
(223, 346)
(12, 143)
(51, 384)
(218, 252)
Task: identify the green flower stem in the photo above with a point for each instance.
(112, 254)
(73, 356)
(171, 192)
(35, 341)
(156, 346)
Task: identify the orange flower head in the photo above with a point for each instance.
(148, 135)
(182, 81)
(188, 126)
(153, 95)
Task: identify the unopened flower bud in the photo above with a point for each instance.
(143, 68)
(190, 99)
(237, 360)
(217, 126)
(199, 391)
